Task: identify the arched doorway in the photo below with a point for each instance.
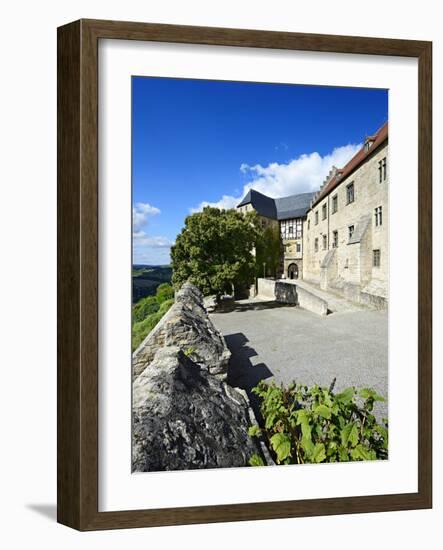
(293, 271)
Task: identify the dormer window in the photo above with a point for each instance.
(368, 144)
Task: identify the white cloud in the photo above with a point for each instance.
(226, 202)
(151, 250)
(141, 239)
(148, 249)
(140, 213)
(300, 175)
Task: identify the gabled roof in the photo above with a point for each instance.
(265, 206)
(294, 206)
(357, 160)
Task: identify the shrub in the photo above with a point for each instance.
(141, 329)
(164, 292)
(144, 307)
(152, 304)
(312, 425)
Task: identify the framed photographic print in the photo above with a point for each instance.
(244, 275)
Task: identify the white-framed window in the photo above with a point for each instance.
(350, 231)
(376, 257)
(334, 204)
(350, 193)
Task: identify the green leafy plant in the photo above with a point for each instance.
(256, 460)
(313, 425)
(189, 352)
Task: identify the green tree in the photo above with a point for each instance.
(141, 329)
(269, 249)
(164, 292)
(144, 307)
(214, 251)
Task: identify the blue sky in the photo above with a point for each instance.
(197, 142)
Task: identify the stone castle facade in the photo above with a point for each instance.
(337, 238)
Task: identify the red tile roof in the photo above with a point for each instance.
(357, 160)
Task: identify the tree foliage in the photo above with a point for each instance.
(144, 307)
(214, 251)
(312, 425)
(269, 249)
(164, 292)
(147, 312)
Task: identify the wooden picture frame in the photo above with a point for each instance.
(78, 274)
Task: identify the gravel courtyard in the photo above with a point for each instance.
(285, 343)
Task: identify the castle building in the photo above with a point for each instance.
(337, 238)
(288, 214)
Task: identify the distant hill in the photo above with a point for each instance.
(146, 279)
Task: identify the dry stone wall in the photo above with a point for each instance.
(185, 416)
(186, 325)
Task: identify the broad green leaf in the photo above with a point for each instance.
(254, 431)
(349, 434)
(343, 454)
(331, 449)
(302, 417)
(281, 443)
(323, 411)
(368, 393)
(307, 445)
(318, 453)
(270, 420)
(346, 395)
(256, 460)
(362, 453)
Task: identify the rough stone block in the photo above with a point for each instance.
(185, 418)
(187, 326)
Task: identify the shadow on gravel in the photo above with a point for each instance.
(241, 372)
